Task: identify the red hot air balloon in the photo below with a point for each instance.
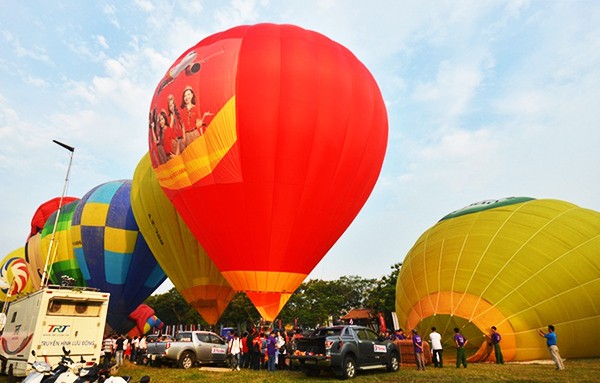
(268, 139)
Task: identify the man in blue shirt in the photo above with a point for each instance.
(495, 337)
(461, 342)
(552, 347)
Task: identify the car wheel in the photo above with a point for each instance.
(349, 368)
(186, 360)
(394, 363)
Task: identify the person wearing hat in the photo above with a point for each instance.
(418, 347)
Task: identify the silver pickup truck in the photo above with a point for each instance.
(189, 348)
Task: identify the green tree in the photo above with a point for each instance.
(382, 297)
(171, 308)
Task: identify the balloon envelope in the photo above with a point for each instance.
(111, 252)
(518, 264)
(14, 275)
(45, 210)
(178, 252)
(35, 259)
(62, 260)
(281, 135)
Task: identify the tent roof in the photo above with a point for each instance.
(358, 314)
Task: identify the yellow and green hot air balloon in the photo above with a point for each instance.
(62, 260)
(518, 264)
(178, 252)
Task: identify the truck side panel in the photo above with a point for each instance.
(50, 319)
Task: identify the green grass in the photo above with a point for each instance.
(579, 370)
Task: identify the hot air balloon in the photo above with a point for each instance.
(14, 275)
(45, 210)
(33, 255)
(111, 252)
(273, 139)
(145, 321)
(62, 261)
(518, 264)
(178, 252)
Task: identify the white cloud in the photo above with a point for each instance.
(102, 41)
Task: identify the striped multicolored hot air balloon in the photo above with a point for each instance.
(62, 260)
(518, 264)
(112, 253)
(14, 275)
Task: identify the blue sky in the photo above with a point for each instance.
(486, 99)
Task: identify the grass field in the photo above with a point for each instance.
(577, 370)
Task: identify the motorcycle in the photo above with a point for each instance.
(72, 372)
(44, 373)
(101, 374)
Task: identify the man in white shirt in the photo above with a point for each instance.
(436, 346)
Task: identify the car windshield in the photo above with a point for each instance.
(327, 331)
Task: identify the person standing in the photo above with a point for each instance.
(141, 351)
(108, 348)
(418, 347)
(496, 337)
(235, 348)
(271, 352)
(461, 342)
(245, 350)
(134, 349)
(552, 347)
(436, 347)
(119, 350)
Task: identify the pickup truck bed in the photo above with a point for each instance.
(345, 350)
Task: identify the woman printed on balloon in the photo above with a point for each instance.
(175, 122)
(193, 125)
(156, 149)
(169, 142)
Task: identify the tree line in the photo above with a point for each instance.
(314, 303)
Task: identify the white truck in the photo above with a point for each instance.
(50, 319)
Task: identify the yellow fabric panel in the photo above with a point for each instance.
(536, 262)
(94, 214)
(200, 158)
(268, 290)
(35, 264)
(182, 258)
(264, 281)
(119, 241)
(62, 247)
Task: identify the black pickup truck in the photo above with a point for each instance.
(345, 350)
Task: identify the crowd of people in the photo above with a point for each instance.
(460, 342)
(257, 350)
(123, 348)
